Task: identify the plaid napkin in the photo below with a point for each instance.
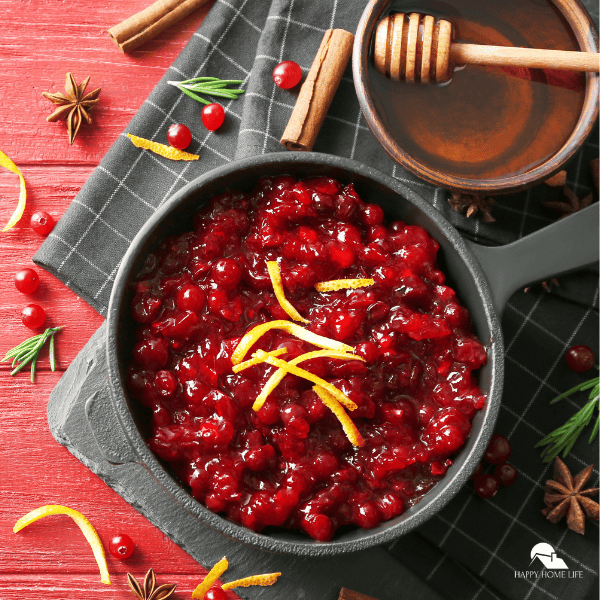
(471, 549)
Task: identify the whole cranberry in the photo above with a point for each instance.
(498, 450)
(121, 546)
(152, 353)
(213, 116)
(179, 136)
(506, 474)
(477, 471)
(372, 215)
(287, 74)
(190, 297)
(580, 358)
(485, 485)
(165, 382)
(42, 222)
(33, 316)
(215, 594)
(27, 281)
(226, 273)
(318, 526)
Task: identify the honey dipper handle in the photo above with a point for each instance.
(503, 56)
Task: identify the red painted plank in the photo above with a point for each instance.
(39, 42)
(50, 189)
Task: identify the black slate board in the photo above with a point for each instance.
(374, 571)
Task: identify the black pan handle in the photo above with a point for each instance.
(566, 245)
(107, 430)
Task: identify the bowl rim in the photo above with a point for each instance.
(434, 500)
(586, 35)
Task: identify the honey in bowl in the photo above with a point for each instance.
(486, 121)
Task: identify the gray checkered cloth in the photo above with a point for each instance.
(473, 547)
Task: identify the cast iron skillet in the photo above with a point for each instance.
(483, 277)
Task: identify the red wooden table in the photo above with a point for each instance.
(40, 41)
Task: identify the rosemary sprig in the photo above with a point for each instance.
(211, 86)
(29, 350)
(563, 438)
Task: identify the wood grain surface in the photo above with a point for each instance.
(40, 41)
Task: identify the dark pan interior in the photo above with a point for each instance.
(455, 259)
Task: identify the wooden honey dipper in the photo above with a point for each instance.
(416, 48)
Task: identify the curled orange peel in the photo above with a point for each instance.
(275, 275)
(161, 149)
(256, 361)
(348, 426)
(10, 165)
(211, 577)
(289, 367)
(86, 527)
(293, 329)
(342, 284)
(264, 579)
(276, 378)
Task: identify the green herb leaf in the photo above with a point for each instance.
(210, 86)
(29, 350)
(52, 355)
(564, 437)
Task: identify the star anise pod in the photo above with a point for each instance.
(565, 496)
(572, 205)
(544, 284)
(557, 180)
(148, 589)
(471, 204)
(73, 106)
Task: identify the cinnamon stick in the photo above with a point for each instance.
(147, 24)
(346, 594)
(318, 90)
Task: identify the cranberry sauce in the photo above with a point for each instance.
(290, 464)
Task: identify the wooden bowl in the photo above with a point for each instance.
(373, 92)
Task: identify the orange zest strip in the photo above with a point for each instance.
(275, 275)
(348, 426)
(276, 378)
(256, 361)
(10, 165)
(86, 527)
(342, 284)
(292, 328)
(211, 577)
(288, 367)
(265, 579)
(161, 149)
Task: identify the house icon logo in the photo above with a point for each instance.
(546, 554)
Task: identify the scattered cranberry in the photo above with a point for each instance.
(580, 358)
(477, 471)
(498, 451)
(215, 594)
(27, 281)
(33, 316)
(287, 74)
(485, 485)
(506, 474)
(42, 222)
(213, 116)
(121, 546)
(179, 136)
